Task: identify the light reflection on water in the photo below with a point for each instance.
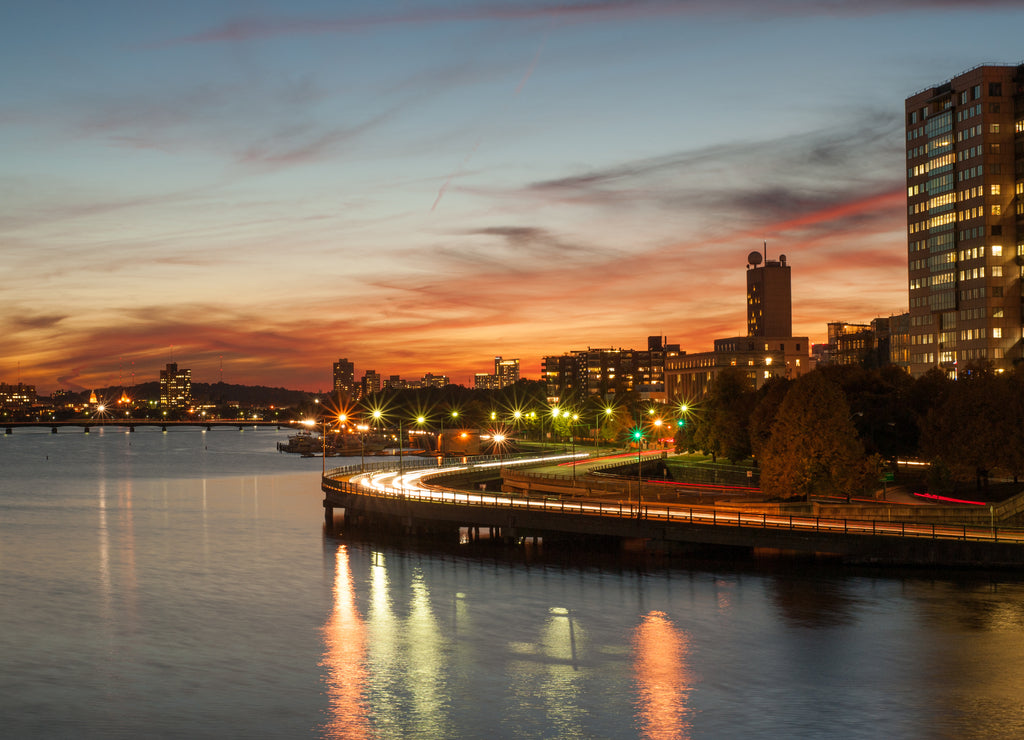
(138, 597)
(345, 659)
(662, 676)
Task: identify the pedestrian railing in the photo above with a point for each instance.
(705, 516)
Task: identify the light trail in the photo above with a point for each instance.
(410, 486)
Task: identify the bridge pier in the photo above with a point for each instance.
(328, 514)
(53, 430)
(86, 430)
(10, 430)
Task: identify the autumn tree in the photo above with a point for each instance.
(976, 428)
(723, 425)
(769, 398)
(814, 448)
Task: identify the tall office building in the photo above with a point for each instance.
(175, 387)
(506, 371)
(769, 350)
(345, 378)
(965, 181)
(769, 297)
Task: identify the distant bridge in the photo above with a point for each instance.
(131, 424)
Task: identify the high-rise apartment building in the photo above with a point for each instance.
(506, 371)
(369, 384)
(965, 182)
(345, 378)
(607, 371)
(175, 387)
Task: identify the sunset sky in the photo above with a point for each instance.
(266, 186)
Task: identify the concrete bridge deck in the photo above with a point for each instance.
(410, 498)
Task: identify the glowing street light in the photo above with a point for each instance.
(499, 442)
(608, 411)
(638, 435)
(572, 432)
(363, 429)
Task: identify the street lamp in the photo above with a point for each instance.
(608, 411)
(572, 433)
(401, 459)
(638, 435)
(499, 442)
(363, 428)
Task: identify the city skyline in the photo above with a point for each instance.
(421, 189)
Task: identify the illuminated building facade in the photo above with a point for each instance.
(345, 378)
(762, 354)
(17, 396)
(369, 384)
(965, 181)
(608, 371)
(506, 371)
(769, 297)
(175, 387)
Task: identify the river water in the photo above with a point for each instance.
(181, 584)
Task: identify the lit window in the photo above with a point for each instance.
(997, 209)
(997, 250)
(997, 333)
(993, 128)
(994, 190)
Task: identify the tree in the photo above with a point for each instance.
(769, 398)
(723, 426)
(813, 448)
(976, 428)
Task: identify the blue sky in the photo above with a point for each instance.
(419, 186)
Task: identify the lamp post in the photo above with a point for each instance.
(566, 415)
(323, 440)
(572, 433)
(638, 435)
(401, 463)
(377, 415)
(363, 428)
(440, 435)
(499, 442)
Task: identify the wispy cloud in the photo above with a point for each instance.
(254, 28)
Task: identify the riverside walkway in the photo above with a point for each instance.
(409, 497)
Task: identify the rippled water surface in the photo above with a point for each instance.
(181, 584)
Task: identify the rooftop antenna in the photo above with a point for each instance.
(766, 251)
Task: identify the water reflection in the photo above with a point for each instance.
(345, 658)
(663, 678)
(426, 665)
(814, 602)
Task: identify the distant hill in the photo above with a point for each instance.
(217, 393)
